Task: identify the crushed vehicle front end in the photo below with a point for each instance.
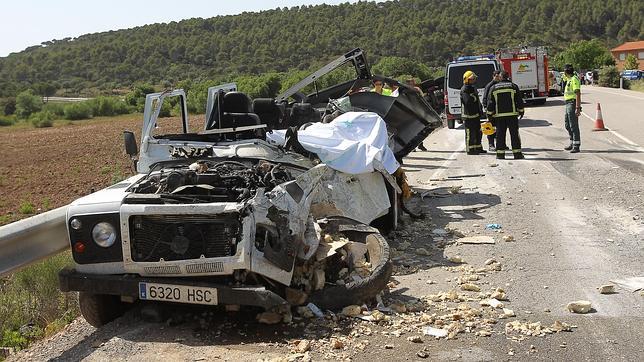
(239, 222)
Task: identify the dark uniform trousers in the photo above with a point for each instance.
(473, 134)
(504, 124)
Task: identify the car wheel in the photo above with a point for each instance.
(451, 124)
(358, 292)
(100, 309)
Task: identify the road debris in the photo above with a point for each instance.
(435, 332)
(508, 238)
(351, 310)
(632, 284)
(470, 287)
(456, 259)
(580, 306)
(479, 239)
(490, 261)
(269, 318)
(607, 289)
(303, 346)
(493, 226)
(415, 339)
(422, 354)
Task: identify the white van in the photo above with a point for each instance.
(483, 66)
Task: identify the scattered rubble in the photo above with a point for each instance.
(508, 238)
(269, 318)
(415, 339)
(607, 289)
(435, 332)
(580, 306)
(479, 239)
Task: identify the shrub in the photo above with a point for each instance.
(27, 103)
(7, 121)
(26, 208)
(609, 77)
(108, 106)
(76, 111)
(8, 106)
(58, 109)
(42, 119)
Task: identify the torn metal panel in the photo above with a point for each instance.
(26, 241)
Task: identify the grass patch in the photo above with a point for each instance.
(26, 208)
(32, 306)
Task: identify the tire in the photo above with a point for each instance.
(451, 123)
(100, 309)
(339, 296)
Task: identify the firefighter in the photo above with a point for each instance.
(572, 97)
(471, 111)
(505, 106)
(495, 79)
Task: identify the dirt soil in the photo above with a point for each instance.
(50, 167)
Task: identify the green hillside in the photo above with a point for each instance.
(306, 36)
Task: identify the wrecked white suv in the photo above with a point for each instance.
(223, 217)
(209, 220)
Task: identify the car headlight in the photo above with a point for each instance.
(104, 234)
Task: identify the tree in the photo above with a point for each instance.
(631, 62)
(585, 54)
(397, 66)
(27, 103)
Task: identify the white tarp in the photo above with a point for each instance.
(350, 143)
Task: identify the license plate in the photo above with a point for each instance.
(178, 293)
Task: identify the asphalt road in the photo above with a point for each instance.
(577, 221)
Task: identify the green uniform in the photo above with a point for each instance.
(573, 85)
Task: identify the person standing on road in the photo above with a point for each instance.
(471, 111)
(486, 94)
(572, 97)
(505, 106)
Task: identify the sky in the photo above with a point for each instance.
(25, 23)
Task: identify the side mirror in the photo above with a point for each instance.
(130, 144)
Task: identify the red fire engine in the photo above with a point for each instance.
(528, 68)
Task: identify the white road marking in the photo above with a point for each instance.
(619, 135)
(617, 94)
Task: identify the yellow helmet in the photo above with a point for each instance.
(469, 75)
(487, 128)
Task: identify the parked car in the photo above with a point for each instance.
(632, 74)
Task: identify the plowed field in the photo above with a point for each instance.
(50, 167)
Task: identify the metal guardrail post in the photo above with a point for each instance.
(26, 241)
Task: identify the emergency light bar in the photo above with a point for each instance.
(474, 57)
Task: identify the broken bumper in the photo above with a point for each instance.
(128, 285)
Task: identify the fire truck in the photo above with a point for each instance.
(528, 68)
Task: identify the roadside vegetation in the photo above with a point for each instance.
(31, 305)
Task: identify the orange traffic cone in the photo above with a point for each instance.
(599, 121)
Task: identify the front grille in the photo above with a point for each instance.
(170, 269)
(183, 237)
(216, 267)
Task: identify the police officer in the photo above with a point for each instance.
(486, 94)
(504, 106)
(572, 97)
(471, 111)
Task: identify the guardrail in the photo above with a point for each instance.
(64, 99)
(29, 240)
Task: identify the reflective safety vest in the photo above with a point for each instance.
(505, 100)
(572, 86)
(385, 91)
(470, 104)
